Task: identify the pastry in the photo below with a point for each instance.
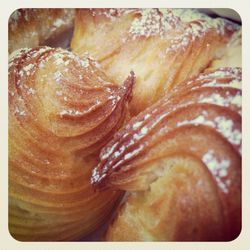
(180, 162)
(62, 110)
(33, 27)
(162, 46)
(73, 150)
(232, 54)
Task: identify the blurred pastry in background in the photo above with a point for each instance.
(232, 57)
(162, 46)
(32, 27)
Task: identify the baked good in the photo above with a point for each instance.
(162, 46)
(232, 56)
(32, 27)
(62, 110)
(180, 161)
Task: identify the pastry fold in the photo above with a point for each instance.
(162, 46)
(180, 161)
(62, 110)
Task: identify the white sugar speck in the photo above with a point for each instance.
(150, 23)
(144, 131)
(137, 125)
(84, 63)
(31, 91)
(58, 22)
(20, 112)
(57, 75)
(224, 125)
(221, 100)
(219, 169)
(236, 100)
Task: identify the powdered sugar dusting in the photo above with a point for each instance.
(129, 155)
(196, 121)
(109, 151)
(224, 125)
(110, 13)
(31, 91)
(221, 100)
(17, 54)
(190, 15)
(20, 112)
(27, 69)
(137, 125)
(58, 22)
(222, 73)
(197, 25)
(151, 22)
(236, 100)
(232, 84)
(96, 175)
(137, 136)
(70, 112)
(219, 169)
(58, 76)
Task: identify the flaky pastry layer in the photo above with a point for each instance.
(162, 46)
(180, 161)
(62, 110)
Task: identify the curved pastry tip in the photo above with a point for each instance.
(129, 85)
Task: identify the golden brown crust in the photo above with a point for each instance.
(62, 110)
(181, 159)
(29, 28)
(162, 47)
